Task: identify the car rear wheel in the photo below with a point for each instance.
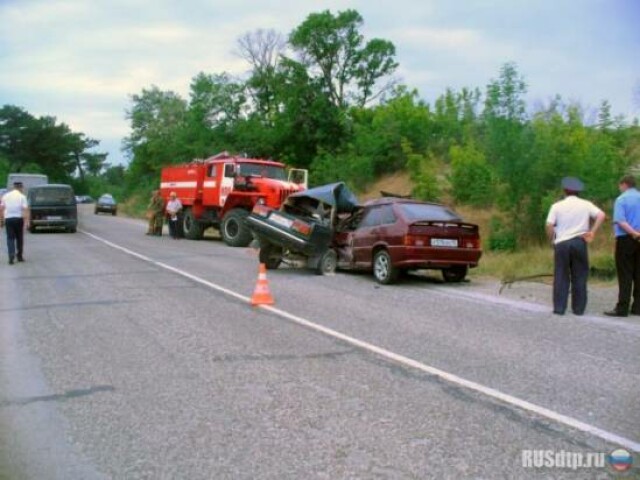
(234, 229)
(383, 269)
(328, 263)
(454, 274)
(192, 228)
(271, 256)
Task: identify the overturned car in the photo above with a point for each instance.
(327, 228)
(303, 229)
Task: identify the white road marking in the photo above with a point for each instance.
(399, 359)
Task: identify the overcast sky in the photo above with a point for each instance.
(80, 60)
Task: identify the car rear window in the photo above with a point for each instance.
(51, 196)
(107, 200)
(415, 212)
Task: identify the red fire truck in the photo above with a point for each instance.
(220, 192)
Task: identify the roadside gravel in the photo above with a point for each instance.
(602, 295)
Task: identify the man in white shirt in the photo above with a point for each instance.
(571, 224)
(14, 212)
(174, 206)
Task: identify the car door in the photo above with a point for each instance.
(387, 232)
(365, 236)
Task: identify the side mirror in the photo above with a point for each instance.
(299, 176)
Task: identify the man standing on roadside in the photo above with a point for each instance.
(571, 224)
(156, 214)
(14, 212)
(626, 224)
(174, 207)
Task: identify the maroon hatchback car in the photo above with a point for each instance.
(389, 235)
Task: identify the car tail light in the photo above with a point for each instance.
(473, 242)
(301, 227)
(416, 241)
(260, 209)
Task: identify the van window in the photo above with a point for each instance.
(51, 196)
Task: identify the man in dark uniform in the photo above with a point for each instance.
(156, 214)
(571, 224)
(626, 221)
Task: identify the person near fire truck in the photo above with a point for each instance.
(155, 213)
(174, 207)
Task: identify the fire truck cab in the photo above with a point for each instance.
(221, 191)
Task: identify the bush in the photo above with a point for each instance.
(471, 176)
(501, 237)
(357, 171)
(422, 170)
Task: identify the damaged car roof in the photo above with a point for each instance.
(334, 194)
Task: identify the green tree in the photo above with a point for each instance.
(42, 145)
(215, 109)
(423, 171)
(85, 160)
(507, 140)
(308, 122)
(471, 176)
(5, 169)
(157, 123)
(332, 49)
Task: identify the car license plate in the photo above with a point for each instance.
(54, 217)
(280, 220)
(444, 242)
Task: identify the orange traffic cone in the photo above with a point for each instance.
(261, 295)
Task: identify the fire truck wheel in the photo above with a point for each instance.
(192, 228)
(234, 229)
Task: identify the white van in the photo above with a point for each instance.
(28, 180)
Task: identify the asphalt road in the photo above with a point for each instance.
(127, 356)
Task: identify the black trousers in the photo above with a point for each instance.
(571, 270)
(176, 229)
(628, 270)
(15, 236)
(173, 228)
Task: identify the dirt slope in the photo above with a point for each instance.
(398, 183)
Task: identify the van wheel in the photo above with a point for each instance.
(192, 228)
(383, 269)
(270, 255)
(234, 229)
(455, 274)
